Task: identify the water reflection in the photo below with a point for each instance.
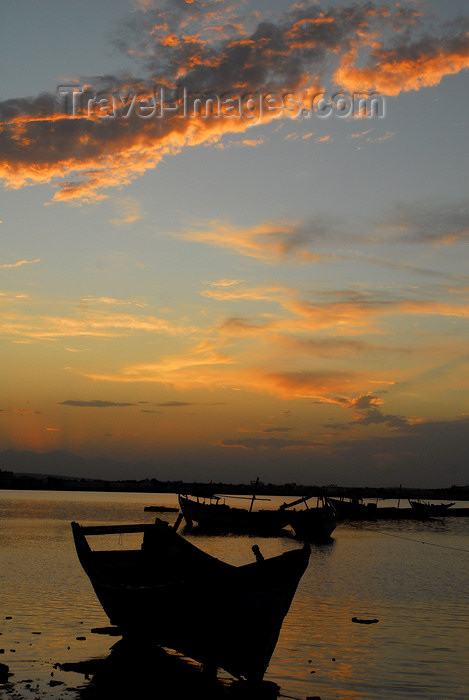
(144, 671)
(419, 592)
(197, 535)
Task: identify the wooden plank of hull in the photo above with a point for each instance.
(216, 613)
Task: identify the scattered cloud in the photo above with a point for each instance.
(206, 366)
(291, 354)
(270, 443)
(430, 221)
(373, 416)
(196, 367)
(95, 403)
(279, 429)
(269, 241)
(367, 412)
(223, 145)
(365, 408)
(178, 404)
(410, 64)
(306, 383)
(268, 292)
(225, 283)
(360, 134)
(110, 301)
(359, 310)
(129, 211)
(21, 411)
(20, 263)
(373, 139)
(333, 346)
(365, 402)
(92, 323)
(345, 311)
(175, 404)
(412, 456)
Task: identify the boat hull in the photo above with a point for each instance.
(218, 517)
(355, 510)
(425, 510)
(313, 524)
(216, 613)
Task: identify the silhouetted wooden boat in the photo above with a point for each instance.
(311, 524)
(430, 510)
(356, 509)
(213, 515)
(175, 594)
(353, 508)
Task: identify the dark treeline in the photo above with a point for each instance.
(11, 480)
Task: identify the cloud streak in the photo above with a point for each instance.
(95, 403)
(20, 263)
(409, 65)
(271, 443)
(436, 221)
(267, 241)
(92, 323)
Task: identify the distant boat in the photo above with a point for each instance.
(311, 524)
(356, 509)
(213, 515)
(430, 510)
(180, 597)
(353, 508)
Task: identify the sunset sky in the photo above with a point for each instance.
(269, 291)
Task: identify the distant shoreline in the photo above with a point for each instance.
(12, 481)
(63, 471)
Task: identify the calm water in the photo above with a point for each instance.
(391, 571)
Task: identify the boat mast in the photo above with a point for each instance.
(254, 494)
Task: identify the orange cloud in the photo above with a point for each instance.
(306, 383)
(272, 443)
(225, 283)
(91, 323)
(199, 367)
(82, 156)
(346, 312)
(409, 67)
(20, 263)
(23, 411)
(261, 293)
(110, 301)
(129, 211)
(268, 241)
(359, 312)
(211, 369)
